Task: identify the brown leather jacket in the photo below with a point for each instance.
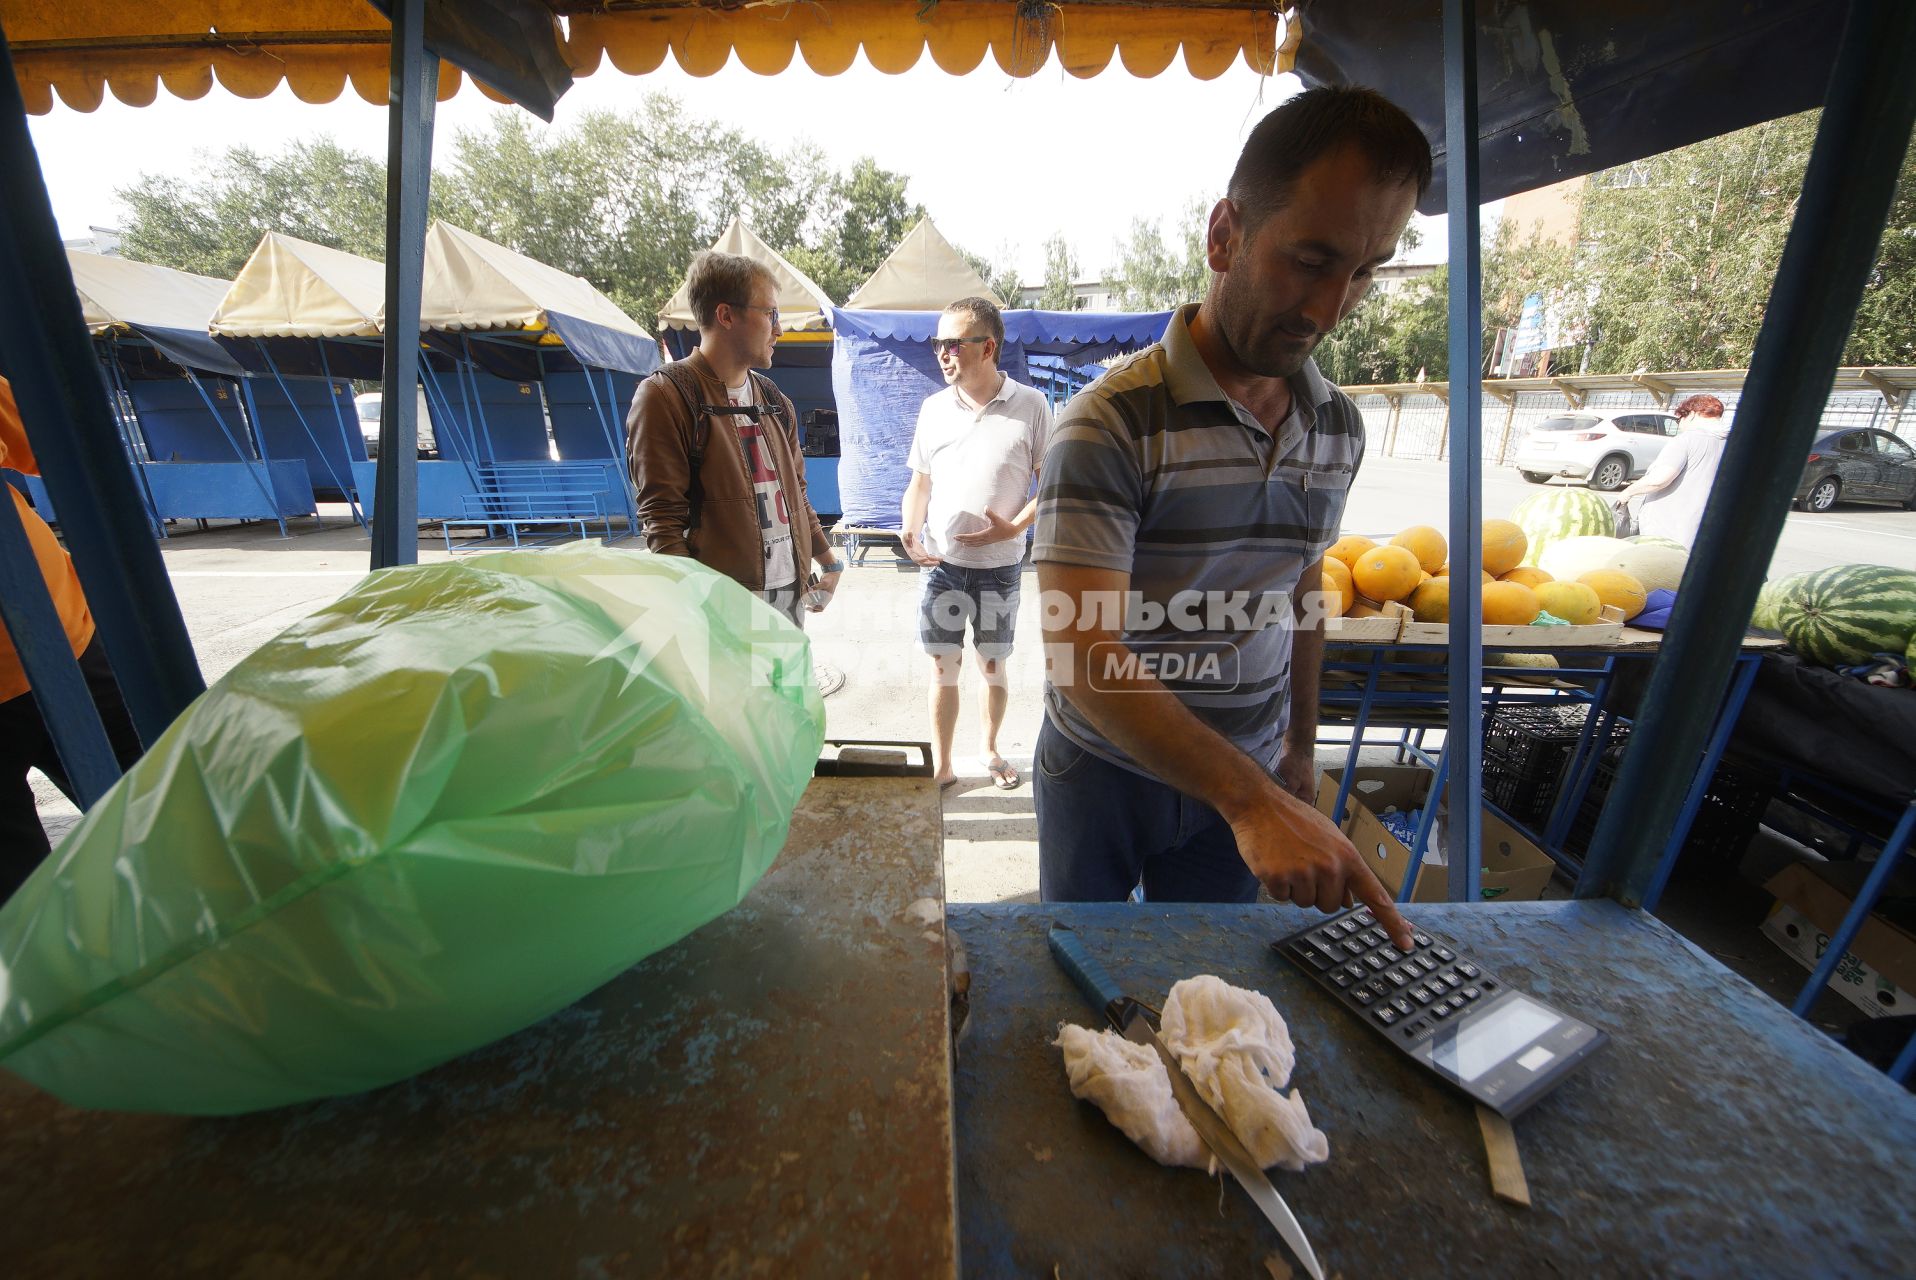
(659, 436)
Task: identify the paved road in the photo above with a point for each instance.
(1392, 493)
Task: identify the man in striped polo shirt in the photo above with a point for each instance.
(1187, 501)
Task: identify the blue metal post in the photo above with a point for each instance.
(412, 93)
(345, 436)
(1859, 912)
(1726, 719)
(116, 394)
(46, 352)
(1860, 145)
(1463, 741)
(262, 477)
(66, 707)
(344, 486)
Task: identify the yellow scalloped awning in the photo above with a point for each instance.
(79, 50)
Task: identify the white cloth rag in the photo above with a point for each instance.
(1234, 1046)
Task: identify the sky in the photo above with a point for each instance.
(1000, 164)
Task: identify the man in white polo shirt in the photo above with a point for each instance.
(974, 459)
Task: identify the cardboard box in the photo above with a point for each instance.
(1514, 869)
(1878, 974)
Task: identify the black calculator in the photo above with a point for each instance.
(1502, 1047)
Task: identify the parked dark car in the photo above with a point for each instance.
(1859, 464)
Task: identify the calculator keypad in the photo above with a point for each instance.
(1407, 994)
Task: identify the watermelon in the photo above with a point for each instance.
(1568, 559)
(1767, 598)
(1844, 614)
(1556, 514)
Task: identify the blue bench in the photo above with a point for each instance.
(547, 495)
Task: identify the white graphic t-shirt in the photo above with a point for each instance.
(774, 521)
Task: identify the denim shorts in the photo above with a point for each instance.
(984, 599)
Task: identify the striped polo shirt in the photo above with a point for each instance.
(1154, 471)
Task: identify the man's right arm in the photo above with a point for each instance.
(912, 514)
(659, 456)
(1291, 848)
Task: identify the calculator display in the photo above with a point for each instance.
(1482, 1043)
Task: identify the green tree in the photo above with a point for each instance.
(209, 225)
(1060, 274)
(624, 199)
(1001, 275)
(862, 215)
(1152, 274)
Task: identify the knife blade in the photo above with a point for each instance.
(1131, 1021)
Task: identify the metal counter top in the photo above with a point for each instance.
(771, 1095)
(1714, 1136)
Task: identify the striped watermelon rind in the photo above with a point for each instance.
(1764, 615)
(1557, 513)
(1844, 614)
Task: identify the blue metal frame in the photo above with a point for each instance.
(1860, 145)
(345, 485)
(46, 350)
(1465, 737)
(66, 706)
(259, 478)
(414, 91)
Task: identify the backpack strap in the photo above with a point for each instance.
(686, 381)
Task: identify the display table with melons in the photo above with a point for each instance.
(1554, 577)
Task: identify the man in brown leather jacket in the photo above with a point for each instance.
(715, 482)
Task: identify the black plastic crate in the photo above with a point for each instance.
(1526, 747)
(1725, 821)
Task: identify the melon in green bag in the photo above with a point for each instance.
(440, 809)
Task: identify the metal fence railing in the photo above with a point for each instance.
(1412, 420)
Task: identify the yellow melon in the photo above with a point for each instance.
(1430, 602)
(1571, 601)
(1348, 548)
(1386, 573)
(1425, 543)
(1615, 587)
(1528, 576)
(1504, 546)
(1510, 604)
(1340, 573)
(1338, 595)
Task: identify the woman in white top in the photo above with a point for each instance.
(1677, 485)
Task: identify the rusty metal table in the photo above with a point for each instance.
(1715, 1136)
(769, 1096)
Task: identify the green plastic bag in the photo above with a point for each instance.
(443, 807)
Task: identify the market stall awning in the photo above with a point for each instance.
(81, 49)
(169, 308)
(472, 285)
(802, 305)
(292, 288)
(1569, 87)
(924, 273)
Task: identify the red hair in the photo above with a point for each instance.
(1702, 406)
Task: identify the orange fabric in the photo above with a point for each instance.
(78, 51)
(63, 584)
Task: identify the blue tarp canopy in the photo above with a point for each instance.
(1080, 337)
(883, 369)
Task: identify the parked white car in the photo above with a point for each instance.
(368, 403)
(1605, 450)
